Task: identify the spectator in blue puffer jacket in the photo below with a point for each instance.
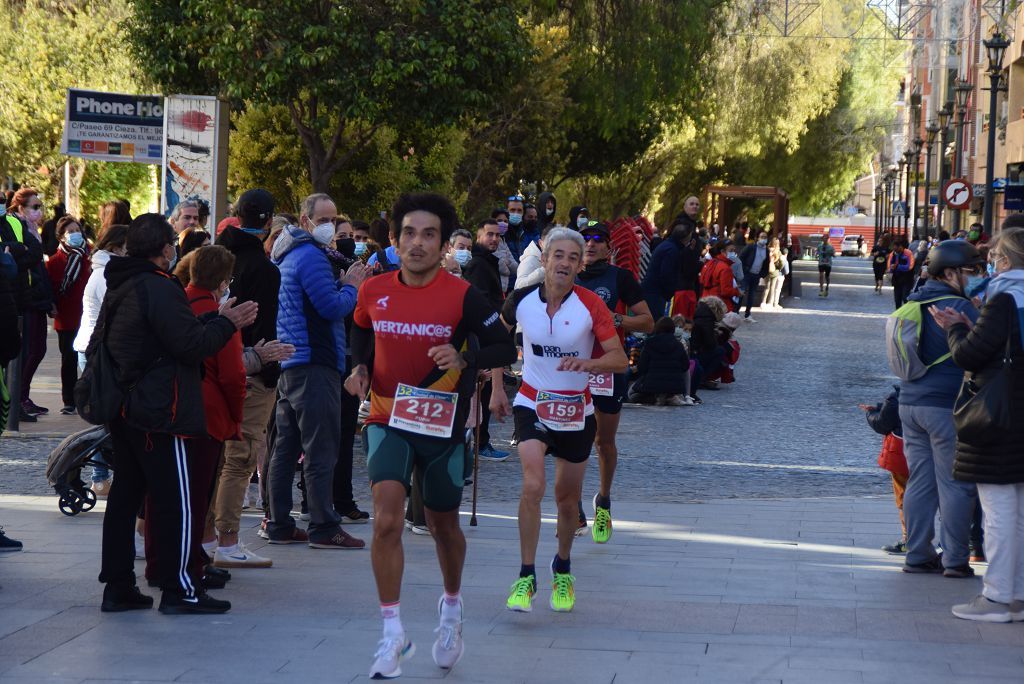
(311, 316)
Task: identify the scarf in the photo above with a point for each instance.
(75, 256)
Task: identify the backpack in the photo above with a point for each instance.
(903, 340)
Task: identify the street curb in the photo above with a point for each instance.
(7, 434)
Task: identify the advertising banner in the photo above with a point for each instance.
(195, 152)
(113, 127)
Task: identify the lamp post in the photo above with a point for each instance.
(908, 163)
(878, 211)
(886, 203)
(961, 91)
(901, 163)
(893, 169)
(916, 165)
(932, 130)
(996, 49)
(944, 115)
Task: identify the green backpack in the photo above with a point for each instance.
(903, 340)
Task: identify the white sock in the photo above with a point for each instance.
(451, 607)
(210, 547)
(228, 550)
(392, 619)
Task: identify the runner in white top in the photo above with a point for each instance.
(564, 325)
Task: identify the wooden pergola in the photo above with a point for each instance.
(716, 200)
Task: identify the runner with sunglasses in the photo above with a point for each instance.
(622, 294)
(564, 326)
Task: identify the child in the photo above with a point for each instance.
(884, 419)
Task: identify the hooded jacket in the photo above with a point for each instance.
(664, 272)
(940, 385)
(574, 214)
(223, 377)
(980, 351)
(157, 345)
(482, 272)
(28, 256)
(312, 304)
(703, 339)
(255, 279)
(531, 271)
(543, 220)
(663, 366)
(716, 279)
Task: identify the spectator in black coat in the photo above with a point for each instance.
(663, 372)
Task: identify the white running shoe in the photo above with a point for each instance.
(449, 646)
(391, 651)
(239, 557)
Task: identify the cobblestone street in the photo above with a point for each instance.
(789, 426)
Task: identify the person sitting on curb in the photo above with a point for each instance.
(663, 373)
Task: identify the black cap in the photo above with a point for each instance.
(596, 227)
(255, 207)
(952, 254)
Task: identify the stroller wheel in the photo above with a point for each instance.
(88, 499)
(70, 503)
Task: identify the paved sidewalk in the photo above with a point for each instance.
(723, 591)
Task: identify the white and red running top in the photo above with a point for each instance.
(577, 329)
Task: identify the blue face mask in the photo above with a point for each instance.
(258, 232)
(76, 239)
(360, 249)
(975, 285)
(463, 256)
(3, 210)
(515, 219)
(991, 268)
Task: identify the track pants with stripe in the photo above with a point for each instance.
(155, 464)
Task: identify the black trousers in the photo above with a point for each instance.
(155, 464)
(485, 414)
(68, 365)
(902, 285)
(344, 501)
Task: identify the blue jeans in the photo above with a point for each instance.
(99, 473)
(929, 440)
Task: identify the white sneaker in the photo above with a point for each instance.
(449, 646)
(983, 610)
(420, 529)
(750, 319)
(239, 557)
(679, 400)
(1017, 611)
(140, 547)
(391, 651)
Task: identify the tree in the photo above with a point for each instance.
(342, 70)
(50, 47)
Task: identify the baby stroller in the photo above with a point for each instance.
(64, 467)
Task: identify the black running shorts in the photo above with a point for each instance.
(573, 447)
(824, 268)
(613, 404)
(443, 464)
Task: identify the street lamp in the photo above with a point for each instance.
(996, 49)
(908, 163)
(932, 130)
(961, 91)
(944, 115)
(918, 143)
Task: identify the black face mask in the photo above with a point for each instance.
(530, 226)
(347, 246)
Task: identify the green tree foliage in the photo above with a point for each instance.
(343, 70)
(50, 46)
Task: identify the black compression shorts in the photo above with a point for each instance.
(573, 447)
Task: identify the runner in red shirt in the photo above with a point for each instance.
(563, 323)
(417, 324)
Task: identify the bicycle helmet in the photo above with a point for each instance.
(952, 254)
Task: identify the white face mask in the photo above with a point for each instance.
(463, 256)
(324, 233)
(224, 297)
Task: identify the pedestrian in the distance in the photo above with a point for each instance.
(880, 261)
(901, 266)
(69, 269)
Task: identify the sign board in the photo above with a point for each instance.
(958, 193)
(836, 232)
(1013, 200)
(195, 153)
(113, 127)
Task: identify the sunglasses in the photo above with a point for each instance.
(594, 238)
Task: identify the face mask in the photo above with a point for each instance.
(224, 297)
(549, 212)
(515, 219)
(762, 242)
(33, 215)
(324, 233)
(347, 246)
(975, 284)
(733, 256)
(359, 249)
(76, 239)
(3, 210)
(530, 226)
(463, 256)
(258, 232)
(991, 268)
(582, 221)
(502, 227)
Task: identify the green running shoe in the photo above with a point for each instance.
(520, 599)
(563, 596)
(602, 529)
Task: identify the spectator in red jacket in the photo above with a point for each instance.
(69, 270)
(716, 278)
(223, 395)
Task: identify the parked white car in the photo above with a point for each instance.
(848, 247)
